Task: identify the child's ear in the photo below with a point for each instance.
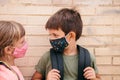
(8, 50)
(71, 36)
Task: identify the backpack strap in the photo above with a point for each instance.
(57, 62)
(83, 61)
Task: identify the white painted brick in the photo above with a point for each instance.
(38, 40)
(109, 51)
(116, 2)
(27, 71)
(20, 9)
(98, 20)
(95, 41)
(93, 2)
(20, 19)
(59, 2)
(111, 70)
(57, 8)
(95, 30)
(116, 78)
(116, 60)
(104, 60)
(116, 20)
(106, 77)
(27, 61)
(116, 40)
(116, 30)
(108, 10)
(37, 51)
(36, 30)
(86, 10)
(37, 20)
(35, 1)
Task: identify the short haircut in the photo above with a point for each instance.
(10, 33)
(67, 20)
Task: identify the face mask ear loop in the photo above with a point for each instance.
(66, 36)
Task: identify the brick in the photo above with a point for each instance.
(37, 20)
(56, 8)
(94, 41)
(36, 30)
(109, 70)
(27, 71)
(104, 60)
(116, 20)
(93, 2)
(22, 9)
(86, 10)
(116, 60)
(3, 2)
(106, 77)
(3, 9)
(116, 78)
(97, 20)
(108, 10)
(36, 1)
(20, 19)
(37, 51)
(116, 2)
(116, 40)
(95, 30)
(59, 2)
(116, 30)
(30, 61)
(38, 40)
(109, 51)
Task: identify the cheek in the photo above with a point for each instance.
(12, 51)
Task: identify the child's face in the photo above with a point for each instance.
(20, 42)
(9, 50)
(55, 34)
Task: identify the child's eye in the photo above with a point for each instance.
(53, 35)
(22, 42)
(56, 36)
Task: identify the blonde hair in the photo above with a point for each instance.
(10, 32)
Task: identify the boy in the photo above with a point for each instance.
(65, 28)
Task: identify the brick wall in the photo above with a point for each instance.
(101, 33)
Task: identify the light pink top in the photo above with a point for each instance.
(6, 74)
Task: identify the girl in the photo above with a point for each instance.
(12, 46)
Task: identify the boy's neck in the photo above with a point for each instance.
(71, 50)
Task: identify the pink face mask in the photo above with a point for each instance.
(20, 52)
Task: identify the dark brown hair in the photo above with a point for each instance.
(67, 20)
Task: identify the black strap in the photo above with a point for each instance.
(83, 61)
(57, 62)
(4, 64)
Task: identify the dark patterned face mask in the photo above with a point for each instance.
(59, 44)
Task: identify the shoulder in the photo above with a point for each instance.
(46, 55)
(44, 58)
(85, 50)
(3, 72)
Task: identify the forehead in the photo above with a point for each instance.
(55, 31)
